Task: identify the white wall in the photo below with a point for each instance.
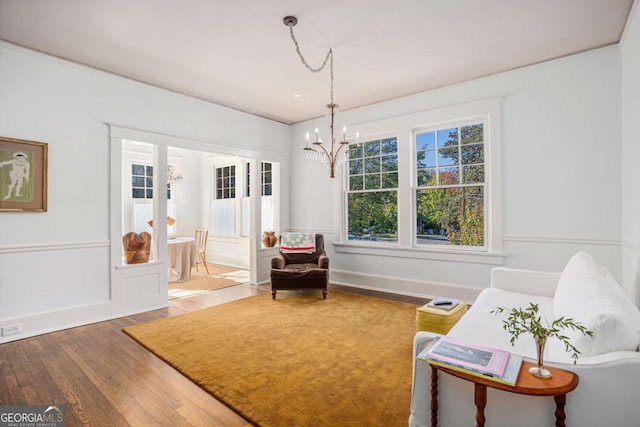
(54, 265)
(561, 186)
(631, 155)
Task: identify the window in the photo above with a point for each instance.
(267, 179)
(266, 184)
(142, 193)
(226, 182)
(142, 182)
(372, 197)
(450, 186)
(437, 184)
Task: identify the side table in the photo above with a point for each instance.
(438, 320)
(561, 383)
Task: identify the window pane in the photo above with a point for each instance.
(449, 176)
(137, 170)
(426, 177)
(355, 151)
(232, 193)
(471, 134)
(472, 154)
(447, 137)
(372, 165)
(356, 167)
(448, 156)
(149, 194)
(389, 146)
(372, 181)
(219, 193)
(137, 193)
(137, 181)
(149, 182)
(356, 183)
(267, 177)
(426, 159)
(267, 190)
(218, 172)
(389, 163)
(149, 170)
(473, 174)
(373, 216)
(371, 148)
(450, 216)
(390, 180)
(425, 140)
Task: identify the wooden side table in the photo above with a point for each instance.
(561, 383)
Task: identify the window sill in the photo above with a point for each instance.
(393, 250)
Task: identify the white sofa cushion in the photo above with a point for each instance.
(590, 295)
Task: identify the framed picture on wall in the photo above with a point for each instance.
(23, 175)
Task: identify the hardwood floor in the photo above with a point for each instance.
(104, 378)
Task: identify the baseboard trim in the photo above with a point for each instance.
(407, 287)
(52, 321)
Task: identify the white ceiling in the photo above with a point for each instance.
(238, 53)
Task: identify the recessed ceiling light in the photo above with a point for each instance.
(296, 95)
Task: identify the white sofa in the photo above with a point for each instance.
(608, 393)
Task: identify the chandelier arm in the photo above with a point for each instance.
(325, 150)
(340, 148)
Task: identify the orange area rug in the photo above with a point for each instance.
(296, 361)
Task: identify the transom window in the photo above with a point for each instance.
(450, 181)
(372, 199)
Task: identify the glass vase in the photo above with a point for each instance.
(539, 370)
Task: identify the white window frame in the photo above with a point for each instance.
(482, 119)
(487, 111)
(363, 140)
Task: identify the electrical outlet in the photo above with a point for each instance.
(11, 329)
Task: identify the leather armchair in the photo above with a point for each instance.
(295, 271)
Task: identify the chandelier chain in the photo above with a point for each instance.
(328, 57)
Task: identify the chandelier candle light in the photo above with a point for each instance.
(332, 157)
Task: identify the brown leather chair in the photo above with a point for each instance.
(301, 271)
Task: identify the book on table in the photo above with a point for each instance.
(510, 376)
(449, 352)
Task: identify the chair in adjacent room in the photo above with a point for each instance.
(201, 248)
(295, 270)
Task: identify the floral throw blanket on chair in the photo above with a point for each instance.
(298, 243)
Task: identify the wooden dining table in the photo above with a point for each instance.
(181, 257)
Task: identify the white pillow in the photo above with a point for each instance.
(587, 294)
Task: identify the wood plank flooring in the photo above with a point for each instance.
(104, 378)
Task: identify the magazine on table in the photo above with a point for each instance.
(473, 357)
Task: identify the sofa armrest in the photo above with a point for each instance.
(530, 282)
(323, 261)
(278, 262)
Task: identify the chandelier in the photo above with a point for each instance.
(317, 151)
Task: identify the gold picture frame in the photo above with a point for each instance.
(23, 175)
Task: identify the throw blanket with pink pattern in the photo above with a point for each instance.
(298, 243)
